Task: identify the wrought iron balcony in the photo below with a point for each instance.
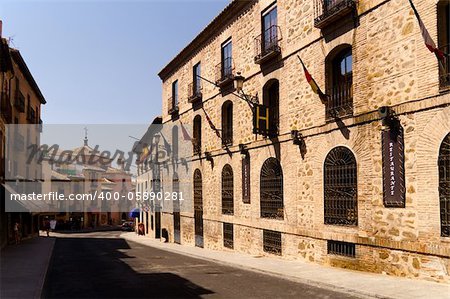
(225, 72)
(267, 45)
(444, 68)
(173, 107)
(195, 92)
(340, 100)
(327, 12)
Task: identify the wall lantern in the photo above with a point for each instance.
(239, 82)
(243, 150)
(389, 119)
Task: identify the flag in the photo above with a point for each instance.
(185, 133)
(145, 153)
(211, 125)
(312, 82)
(429, 43)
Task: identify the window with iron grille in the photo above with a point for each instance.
(341, 248)
(197, 138)
(227, 123)
(175, 143)
(271, 189)
(443, 20)
(272, 242)
(339, 83)
(444, 185)
(271, 99)
(228, 235)
(198, 190)
(176, 210)
(227, 190)
(340, 187)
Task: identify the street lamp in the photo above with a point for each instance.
(239, 82)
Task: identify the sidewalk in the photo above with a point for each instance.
(24, 266)
(351, 282)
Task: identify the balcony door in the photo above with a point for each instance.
(197, 80)
(227, 64)
(270, 32)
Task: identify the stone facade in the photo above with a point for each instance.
(391, 67)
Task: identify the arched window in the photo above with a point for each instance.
(271, 99)
(197, 140)
(227, 190)
(339, 83)
(444, 185)
(227, 123)
(443, 15)
(340, 187)
(271, 189)
(198, 208)
(176, 209)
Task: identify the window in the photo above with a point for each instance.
(197, 140)
(227, 123)
(175, 143)
(271, 189)
(227, 64)
(444, 185)
(197, 80)
(272, 242)
(340, 188)
(444, 41)
(341, 248)
(198, 208)
(227, 190)
(271, 100)
(176, 210)
(270, 30)
(340, 82)
(175, 93)
(228, 235)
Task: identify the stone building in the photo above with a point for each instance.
(21, 101)
(356, 178)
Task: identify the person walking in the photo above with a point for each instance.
(17, 232)
(47, 227)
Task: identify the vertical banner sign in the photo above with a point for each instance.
(246, 179)
(261, 120)
(393, 167)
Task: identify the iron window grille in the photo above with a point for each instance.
(228, 235)
(444, 185)
(198, 208)
(227, 123)
(444, 68)
(197, 138)
(227, 190)
(340, 187)
(271, 189)
(272, 242)
(327, 12)
(225, 71)
(173, 107)
(341, 248)
(195, 91)
(20, 102)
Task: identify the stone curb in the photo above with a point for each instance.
(332, 287)
(38, 292)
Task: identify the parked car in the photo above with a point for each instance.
(128, 226)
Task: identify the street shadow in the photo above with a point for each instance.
(101, 268)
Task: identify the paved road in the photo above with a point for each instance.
(103, 265)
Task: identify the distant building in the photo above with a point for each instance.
(356, 177)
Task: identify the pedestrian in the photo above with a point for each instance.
(47, 227)
(17, 232)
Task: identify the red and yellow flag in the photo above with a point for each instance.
(312, 82)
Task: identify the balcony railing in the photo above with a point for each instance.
(267, 44)
(444, 68)
(227, 136)
(340, 101)
(20, 102)
(196, 146)
(195, 92)
(329, 11)
(225, 72)
(173, 107)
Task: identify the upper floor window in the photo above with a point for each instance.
(227, 123)
(224, 71)
(175, 93)
(195, 88)
(340, 187)
(339, 82)
(444, 41)
(175, 143)
(328, 12)
(267, 44)
(271, 99)
(444, 185)
(197, 140)
(271, 189)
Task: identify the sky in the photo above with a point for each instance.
(96, 62)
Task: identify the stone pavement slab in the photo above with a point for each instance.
(353, 282)
(24, 267)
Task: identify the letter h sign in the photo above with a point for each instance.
(261, 120)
